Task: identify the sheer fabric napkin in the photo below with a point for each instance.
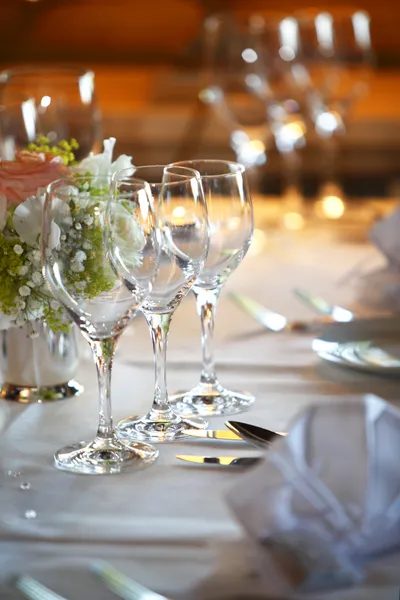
(326, 502)
(380, 288)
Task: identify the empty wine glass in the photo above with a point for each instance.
(182, 227)
(336, 50)
(77, 269)
(230, 214)
(57, 103)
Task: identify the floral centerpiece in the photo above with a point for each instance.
(43, 367)
(24, 297)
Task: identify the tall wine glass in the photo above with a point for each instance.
(336, 49)
(57, 103)
(183, 239)
(77, 269)
(230, 213)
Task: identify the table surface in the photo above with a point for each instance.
(169, 526)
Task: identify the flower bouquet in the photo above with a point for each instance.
(27, 309)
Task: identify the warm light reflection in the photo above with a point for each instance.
(258, 243)
(249, 55)
(45, 101)
(28, 109)
(179, 212)
(330, 207)
(293, 221)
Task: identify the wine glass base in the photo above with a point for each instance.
(147, 429)
(104, 457)
(207, 400)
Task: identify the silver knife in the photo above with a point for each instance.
(271, 320)
(213, 434)
(123, 586)
(322, 307)
(34, 590)
(224, 461)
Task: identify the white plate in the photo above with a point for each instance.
(371, 345)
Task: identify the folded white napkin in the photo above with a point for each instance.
(326, 502)
(385, 236)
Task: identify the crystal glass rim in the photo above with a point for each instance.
(103, 178)
(192, 174)
(58, 72)
(238, 167)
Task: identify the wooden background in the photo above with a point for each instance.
(144, 31)
(145, 55)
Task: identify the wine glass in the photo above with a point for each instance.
(183, 240)
(80, 276)
(57, 103)
(336, 49)
(252, 88)
(230, 213)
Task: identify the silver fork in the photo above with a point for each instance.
(123, 586)
(33, 590)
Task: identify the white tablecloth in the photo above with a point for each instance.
(168, 526)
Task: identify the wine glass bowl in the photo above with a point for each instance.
(183, 240)
(230, 214)
(56, 103)
(82, 279)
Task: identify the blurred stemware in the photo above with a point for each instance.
(335, 48)
(230, 213)
(249, 84)
(58, 103)
(77, 269)
(182, 227)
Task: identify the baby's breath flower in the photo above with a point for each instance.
(20, 304)
(54, 304)
(24, 270)
(37, 278)
(30, 283)
(33, 335)
(78, 226)
(18, 249)
(77, 267)
(88, 220)
(24, 290)
(80, 256)
(87, 245)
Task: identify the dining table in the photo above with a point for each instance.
(169, 526)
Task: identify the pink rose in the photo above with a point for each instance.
(21, 178)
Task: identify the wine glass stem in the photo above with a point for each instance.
(103, 353)
(206, 302)
(159, 328)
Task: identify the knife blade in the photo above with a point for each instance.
(259, 436)
(224, 461)
(33, 590)
(269, 319)
(213, 434)
(322, 307)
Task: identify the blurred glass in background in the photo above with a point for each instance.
(58, 103)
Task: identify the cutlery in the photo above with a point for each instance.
(236, 432)
(34, 590)
(271, 320)
(258, 436)
(322, 307)
(123, 586)
(213, 434)
(224, 461)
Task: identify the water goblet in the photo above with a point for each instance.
(230, 214)
(183, 237)
(80, 276)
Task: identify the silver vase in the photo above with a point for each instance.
(41, 368)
